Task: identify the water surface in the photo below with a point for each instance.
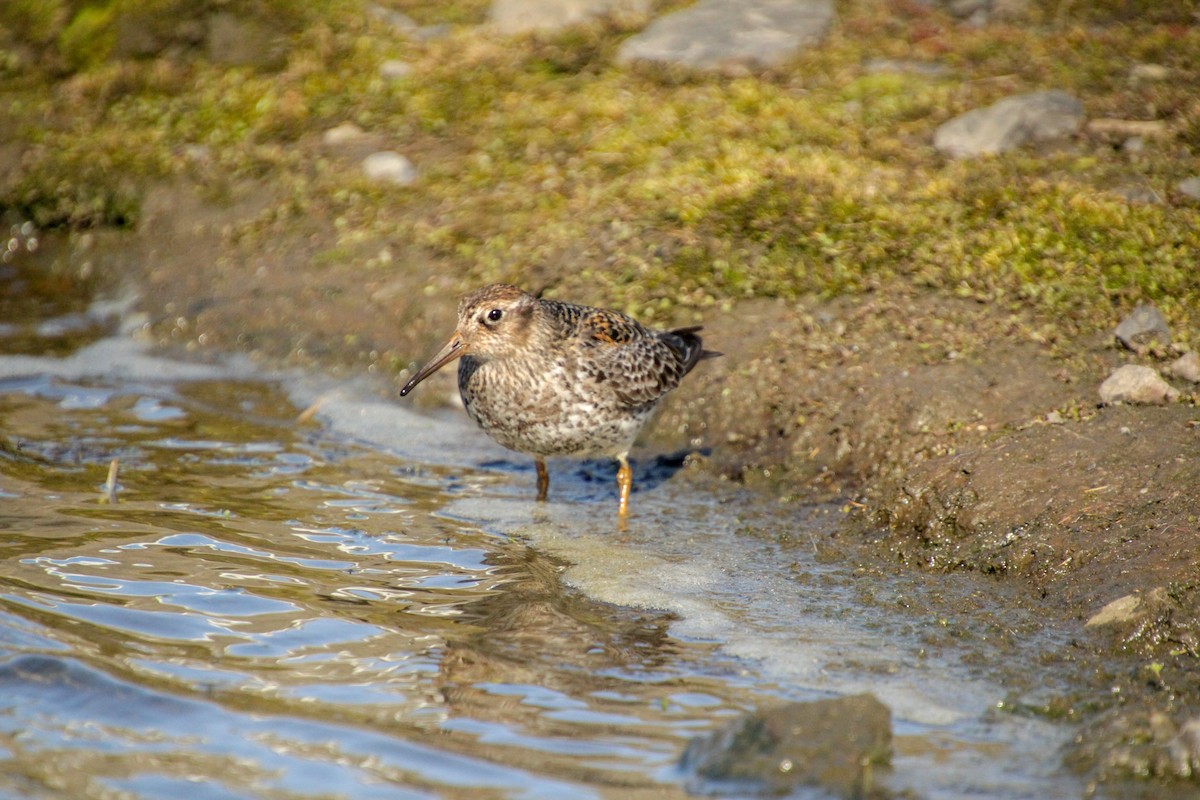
(369, 604)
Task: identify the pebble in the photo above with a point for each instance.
(341, 134)
(1134, 145)
(1127, 608)
(724, 34)
(1142, 326)
(389, 166)
(1149, 72)
(1133, 383)
(1011, 123)
(1187, 367)
(394, 69)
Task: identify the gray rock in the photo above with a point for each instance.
(1011, 123)
(1144, 325)
(389, 166)
(1187, 367)
(831, 744)
(720, 34)
(1190, 187)
(518, 16)
(1137, 384)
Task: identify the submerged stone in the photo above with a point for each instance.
(832, 744)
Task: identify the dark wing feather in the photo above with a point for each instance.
(639, 365)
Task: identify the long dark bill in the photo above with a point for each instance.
(452, 350)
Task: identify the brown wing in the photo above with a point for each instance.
(638, 364)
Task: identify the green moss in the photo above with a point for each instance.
(100, 184)
(664, 194)
(89, 37)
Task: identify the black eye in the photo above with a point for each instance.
(495, 314)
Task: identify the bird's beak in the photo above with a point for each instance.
(452, 350)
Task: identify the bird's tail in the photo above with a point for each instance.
(691, 347)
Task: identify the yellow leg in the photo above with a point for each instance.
(543, 479)
(624, 484)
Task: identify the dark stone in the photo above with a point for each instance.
(1136, 743)
(832, 744)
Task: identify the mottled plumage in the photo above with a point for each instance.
(551, 379)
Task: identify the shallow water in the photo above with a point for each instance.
(370, 604)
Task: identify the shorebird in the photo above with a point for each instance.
(548, 378)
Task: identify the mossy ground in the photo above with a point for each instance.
(663, 194)
(897, 325)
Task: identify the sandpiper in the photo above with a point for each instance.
(554, 379)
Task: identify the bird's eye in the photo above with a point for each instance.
(495, 314)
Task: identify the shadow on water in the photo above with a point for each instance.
(595, 480)
(371, 605)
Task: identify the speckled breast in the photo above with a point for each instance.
(547, 410)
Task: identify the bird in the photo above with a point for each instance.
(550, 378)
